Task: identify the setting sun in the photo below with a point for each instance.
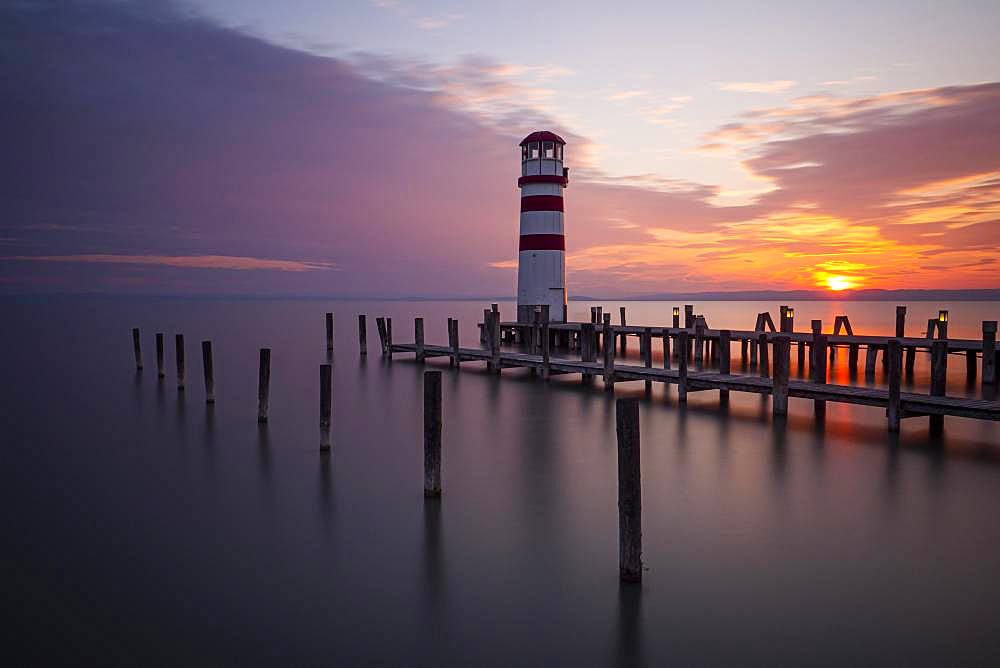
(837, 283)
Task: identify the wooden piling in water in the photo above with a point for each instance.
(871, 355)
(629, 491)
(325, 405)
(160, 372)
(894, 352)
(432, 434)
(621, 317)
(609, 355)
(900, 322)
(363, 334)
(380, 325)
(744, 344)
(418, 338)
(263, 385)
(329, 332)
(209, 368)
(802, 357)
(699, 346)
(546, 368)
(587, 346)
(819, 371)
(971, 363)
(388, 337)
(764, 363)
(179, 354)
(137, 348)
(989, 352)
(852, 357)
(782, 364)
(939, 380)
(725, 361)
(666, 350)
(682, 366)
(456, 360)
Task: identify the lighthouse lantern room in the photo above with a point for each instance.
(541, 262)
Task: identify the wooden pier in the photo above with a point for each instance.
(768, 350)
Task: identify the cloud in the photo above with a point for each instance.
(185, 262)
(627, 95)
(757, 86)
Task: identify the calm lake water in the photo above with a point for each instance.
(142, 527)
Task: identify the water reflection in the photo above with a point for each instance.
(628, 638)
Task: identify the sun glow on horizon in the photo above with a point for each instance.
(838, 283)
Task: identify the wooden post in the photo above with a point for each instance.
(209, 367)
(802, 357)
(911, 358)
(852, 357)
(380, 325)
(647, 347)
(545, 351)
(621, 317)
(329, 331)
(688, 316)
(744, 343)
(363, 334)
(682, 366)
(939, 380)
(160, 373)
(900, 323)
(600, 315)
(609, 355)
(725, 363)
(432, 434)
(587, 352)
(666, 350)
(137, 348)
(753, 346)
(699, 346)
(765, 364)
(494, 338)
(783, 318)
(931, 327)
(456, 357)
(870, 358)
(782, 363)
(989, 352)
(629, 491)
(894, 352)
(263, 385)
(970, 365)
(418, 338)
(179, 353)
(388, 337)
(819, 371)
(325, 404)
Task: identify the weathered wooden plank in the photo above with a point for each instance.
(629, 491)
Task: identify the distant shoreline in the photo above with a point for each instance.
(974, 295)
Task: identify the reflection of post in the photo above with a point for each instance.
(629, 491)
(894, 352)
(432, 433)
(939, 380)
(263, 385)
(137, 348)
(325, 405)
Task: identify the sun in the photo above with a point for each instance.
(838, 283)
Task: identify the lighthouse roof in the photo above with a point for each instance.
(542, 135)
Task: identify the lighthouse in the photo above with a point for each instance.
(541, 261)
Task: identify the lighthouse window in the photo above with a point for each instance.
(549, 150)
(559, 150)
(524, 152)
(534, 150)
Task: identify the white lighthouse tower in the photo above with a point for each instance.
(541, 262)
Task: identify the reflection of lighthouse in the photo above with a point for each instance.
(541, 263)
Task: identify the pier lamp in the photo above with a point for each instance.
(677, 316)
(942, 316)
(790, 312)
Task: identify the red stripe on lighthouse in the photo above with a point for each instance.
(542, 203)
(530, 242)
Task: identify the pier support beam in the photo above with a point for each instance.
(325, 405)
(629, 491)
(871, 355)
(989, 352)
(666, 350)
(160, 373)
(609, 355)
(263, 385)
(782, 362)
(137, 348)
(725, 362)
(329, 332)
(765, 364)
(363, 334)
(209, 369)
(380, 325)
(819, 371)
(179, 353)
(418, 338)
(939, 381)
(682, 367)
(432, 434)
(894, 353)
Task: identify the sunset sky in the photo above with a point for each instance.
(369, 148)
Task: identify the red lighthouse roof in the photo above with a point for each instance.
(542, 135)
